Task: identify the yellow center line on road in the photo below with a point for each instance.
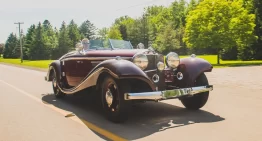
(103, 132)
(91, 126)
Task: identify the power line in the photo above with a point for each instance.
(21, 48)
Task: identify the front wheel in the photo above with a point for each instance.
(199, 100)
(112, 96)
(57, 92)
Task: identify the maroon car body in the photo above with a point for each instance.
(121, 66)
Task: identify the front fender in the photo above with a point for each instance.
(124, 69)
(191, 68)
(54, 67)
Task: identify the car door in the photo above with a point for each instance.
(71, 73)
(84, 66)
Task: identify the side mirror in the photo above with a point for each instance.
(79, 47)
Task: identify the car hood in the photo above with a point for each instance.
(113, 53)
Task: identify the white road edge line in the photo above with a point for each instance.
(63, 112)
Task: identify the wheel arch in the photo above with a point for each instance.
(138, 85)
(123, 70)
(54, 67)
(191, 69)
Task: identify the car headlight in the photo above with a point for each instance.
(141, 61)
(160, 66)
(172, 60)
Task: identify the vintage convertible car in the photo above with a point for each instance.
(122, 75)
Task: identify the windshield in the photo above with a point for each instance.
(99, 44)
(109, 44)
(120, 44)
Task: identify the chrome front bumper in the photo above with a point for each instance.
(168, 94)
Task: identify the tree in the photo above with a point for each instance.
(50, 39)
(64, 43)
(178, 13)
(46, 25)
(167, 40)
(121, 23)
(28, 41)
(87, 29)
(219, 24)
(114, 33)
(38, 49)
(74, 33)
(191, 6)
(2, 45)
(10, 46)
(152, 12)
(103, 33)
(257, 10)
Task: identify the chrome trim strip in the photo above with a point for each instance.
(150, 70)
(48, 73)
(168, 94)
(87, 82)
(93, 58)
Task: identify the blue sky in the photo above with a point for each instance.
(100, 12)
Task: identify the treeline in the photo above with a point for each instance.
(43, 42)
(230, 28)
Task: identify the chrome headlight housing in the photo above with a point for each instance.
(141, 61)
(172, 60)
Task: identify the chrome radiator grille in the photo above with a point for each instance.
(152, 64)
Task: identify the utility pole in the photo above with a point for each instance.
(21, 48)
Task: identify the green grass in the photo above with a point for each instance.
(210, 58)
(213, 60)
(38, 64)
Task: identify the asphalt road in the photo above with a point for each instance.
(29, 111)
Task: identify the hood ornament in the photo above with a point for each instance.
(140, 46)
(151, 50)
(118, 58)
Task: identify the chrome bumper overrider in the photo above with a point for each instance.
(168, 94)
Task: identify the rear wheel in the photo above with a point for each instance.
(199, 100)
(57, 92)
(112, 96)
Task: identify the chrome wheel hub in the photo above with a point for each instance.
(109, 98)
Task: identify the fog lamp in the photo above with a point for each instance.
(160, 66)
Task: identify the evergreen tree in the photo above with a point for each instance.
(50, 38)
(38, 50)
(28, 41)
(87, 29)
(1, 48)
(10, 46)
(257, 47)
(74, 33)
(64, 44)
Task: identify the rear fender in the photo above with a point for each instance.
(191, 68)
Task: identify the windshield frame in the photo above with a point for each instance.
(109, 44)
